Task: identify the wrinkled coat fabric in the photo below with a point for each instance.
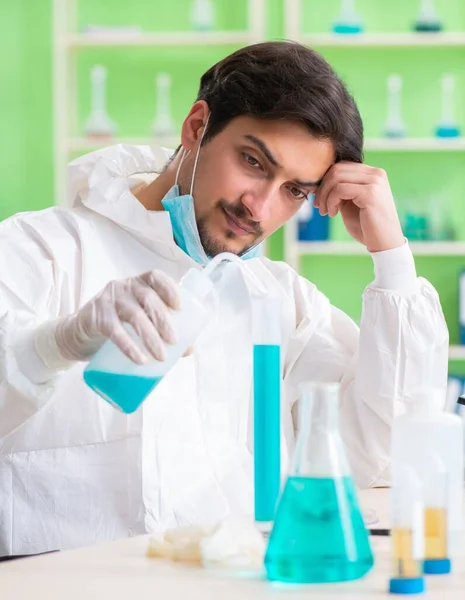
(74, 471)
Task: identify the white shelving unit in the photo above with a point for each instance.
(188, 38)
(294, 249)
(355, 249)
(456, 352)
(385, 40)
(68, 41)
(431, 144)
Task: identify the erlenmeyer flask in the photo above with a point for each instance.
(319, 535)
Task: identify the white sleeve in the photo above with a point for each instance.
(28, 296)
(402, 344)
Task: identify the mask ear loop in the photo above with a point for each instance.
(183, 156)
(197, 154)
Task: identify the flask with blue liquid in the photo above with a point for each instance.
(319, 534)
(125, 384)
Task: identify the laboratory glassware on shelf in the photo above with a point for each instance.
(447, 126)
(202, 15)
(394, 127)
(427, 19)
(348, 21)
(99, 125)
(163, 125)
(311, 225)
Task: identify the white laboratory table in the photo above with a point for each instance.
(120, 570)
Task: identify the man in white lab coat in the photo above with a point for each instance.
(271, 127)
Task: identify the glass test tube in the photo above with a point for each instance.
(267, 401)
(407, 536)
(437, 560)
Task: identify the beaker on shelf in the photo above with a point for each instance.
(319, 534)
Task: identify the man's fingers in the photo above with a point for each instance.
(343, 192)
(345, 173)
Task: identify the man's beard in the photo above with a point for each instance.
(213, 246)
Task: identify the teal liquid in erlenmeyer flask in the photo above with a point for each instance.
(318, 535)
(316, 538)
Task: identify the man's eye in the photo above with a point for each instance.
(297, 194)
(253, 162)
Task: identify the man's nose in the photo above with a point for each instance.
(259, 202)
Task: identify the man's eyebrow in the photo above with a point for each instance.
(266, 151)
(264, 148)
(308, 183)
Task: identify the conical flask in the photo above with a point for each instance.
(319, 534)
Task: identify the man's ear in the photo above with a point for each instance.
(194, 125)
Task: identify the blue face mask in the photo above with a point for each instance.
(182, 214)
(184, 224)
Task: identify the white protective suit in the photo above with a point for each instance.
(74, 471)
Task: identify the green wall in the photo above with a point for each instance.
(26, 108)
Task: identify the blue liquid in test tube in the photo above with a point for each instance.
(267, 400)
(267, 380)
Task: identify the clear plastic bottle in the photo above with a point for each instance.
(125, 384)
(319, 535)
(429, 441)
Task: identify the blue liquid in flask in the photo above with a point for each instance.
(347, 28)
(444, 131)
(267, 382)
(319, 535)
(126, 392)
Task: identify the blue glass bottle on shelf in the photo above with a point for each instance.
(311, 225)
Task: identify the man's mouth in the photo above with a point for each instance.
(236, 226)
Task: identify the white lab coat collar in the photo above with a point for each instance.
(101, 181)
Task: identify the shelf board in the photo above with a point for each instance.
(329, 40)
(431, 144)
(85, 144)
(175, 38)
(456, 352)
(354, 249)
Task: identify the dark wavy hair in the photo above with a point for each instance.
(286, 81)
